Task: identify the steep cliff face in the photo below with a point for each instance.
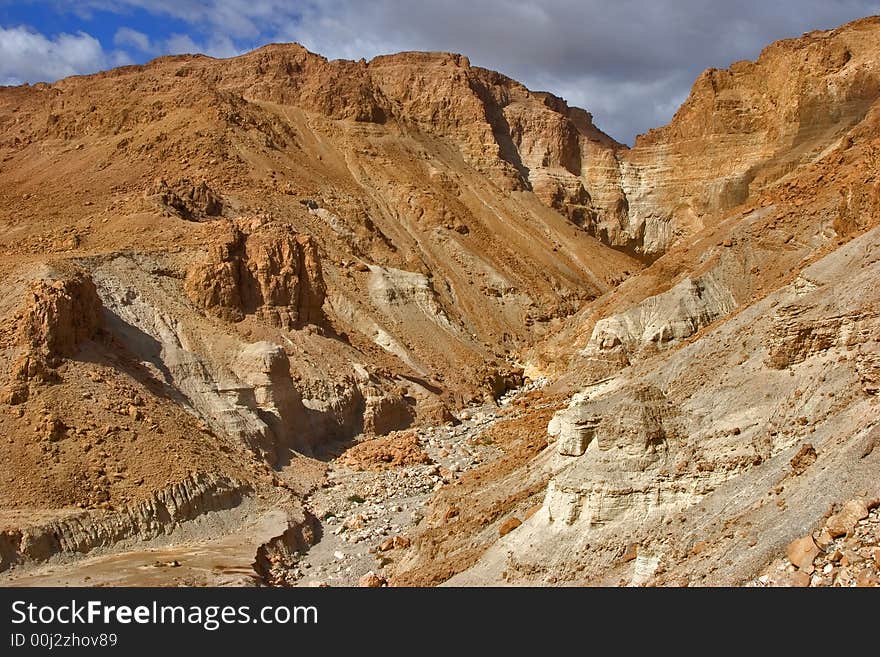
(743, 129)
(59, 312)
(60, 315)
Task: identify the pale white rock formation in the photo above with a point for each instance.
(665, 318)
(695, 442)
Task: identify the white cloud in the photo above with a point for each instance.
(28, 56)
(218, 46)
(126, 37)
(176, 44)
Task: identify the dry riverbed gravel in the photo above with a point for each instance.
(367, 512)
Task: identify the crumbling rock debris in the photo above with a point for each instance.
(385, 412)
(843, 522)
(805, 457)
(372, 580)
(851, 559)
(277, 557)
(395, 450)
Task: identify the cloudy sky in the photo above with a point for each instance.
(629, 62)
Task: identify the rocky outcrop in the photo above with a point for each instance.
(666, 318)
(264, 368)
(59, 315)
(56, 317)
(801, 331)
(79, 533)
(193, 201)
(149, 323)
(386, 412)
(573, 429)
(631, 428)
(815, 322)
(261, 268)
(739, 131)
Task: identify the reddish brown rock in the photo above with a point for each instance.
(396, 450)
(509, 525)
(260, 268)
(805, 457)
(631, 552)
(867, 578)
(372, 580)
(798, 579)
(59, 315)
(842, 523)
(801, 552)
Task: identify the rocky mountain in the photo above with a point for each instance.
(277, 308)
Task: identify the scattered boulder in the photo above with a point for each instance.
(798, 579)
(805, 457)
(801, 552)
(372, 580)
(842, 523)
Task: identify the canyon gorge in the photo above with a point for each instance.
(280, 320)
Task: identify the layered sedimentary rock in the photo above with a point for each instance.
(722, 445)
(735, 376)
(665, 318)
(82, 532)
